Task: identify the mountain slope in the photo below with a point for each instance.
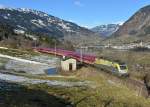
(106, 30)
(11, 39)
(37, 22)
(136, 29)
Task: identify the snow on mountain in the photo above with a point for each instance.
(33, 21)
(106, 30)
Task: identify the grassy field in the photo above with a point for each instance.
(102, 92)
(18, 53)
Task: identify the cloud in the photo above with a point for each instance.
(78, 3)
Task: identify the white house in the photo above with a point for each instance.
(69, 64)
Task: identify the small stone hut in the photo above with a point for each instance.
(69, 64)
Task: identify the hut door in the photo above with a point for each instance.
(70, 67)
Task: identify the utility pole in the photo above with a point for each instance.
(55, 48)
(35, 44)
(81, 54)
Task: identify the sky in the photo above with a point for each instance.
(87, 13)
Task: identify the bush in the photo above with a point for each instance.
(147, 30)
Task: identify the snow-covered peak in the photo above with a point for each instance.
(2, 7)
(107, 29)
(6, 8)
(26, 10)
(30, 20)
(121, 23)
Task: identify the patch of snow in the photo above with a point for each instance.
(8, 14)
(11, 78)
(25, 80)
(65, 27)
(21, 27)
(17, 31)
(119, 23)
(68, 24)
(70, 31)
(27, 67)
(25, 10)
(47, 59)
(38, 23)
(35, 23)
(19, 59)
(50, 20)
(31, 36)
(8, 8)
(41, 22)
(46, 15)
(5, 17)
(5, 8)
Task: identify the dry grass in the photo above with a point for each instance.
(104, 93)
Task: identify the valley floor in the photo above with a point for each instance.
(87, 87)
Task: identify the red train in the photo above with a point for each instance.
(90, 59)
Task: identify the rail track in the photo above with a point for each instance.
(138, 86)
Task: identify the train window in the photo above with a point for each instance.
(123, 67)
